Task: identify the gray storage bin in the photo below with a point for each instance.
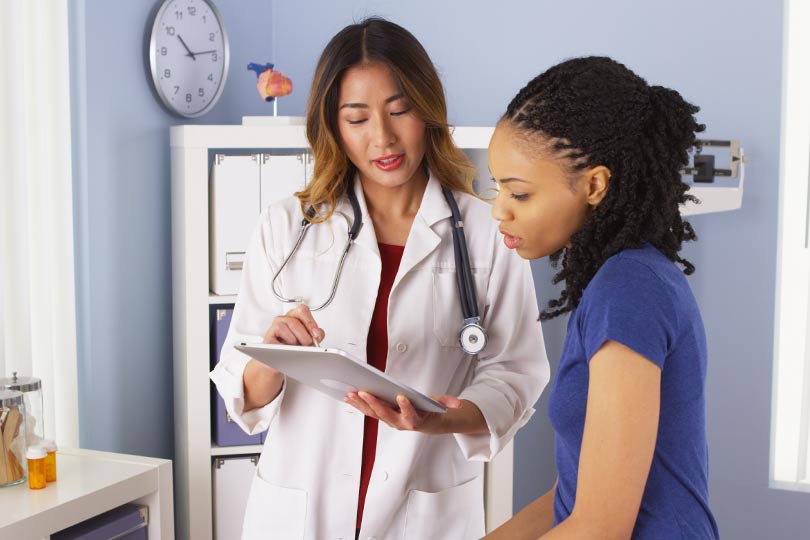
(127, 522)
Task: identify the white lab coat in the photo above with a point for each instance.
(422, 486)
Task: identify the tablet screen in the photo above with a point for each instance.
(336, 372)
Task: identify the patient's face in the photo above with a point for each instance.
(540, 203)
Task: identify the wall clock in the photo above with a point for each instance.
(188, 56)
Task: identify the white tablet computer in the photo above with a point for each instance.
(336, 373)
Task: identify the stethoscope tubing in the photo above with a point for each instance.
(464, 278)
(306, 225)
(353, 230)
(465, 281)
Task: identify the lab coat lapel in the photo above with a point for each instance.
(422, 239)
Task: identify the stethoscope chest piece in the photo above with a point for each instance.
(472, 338)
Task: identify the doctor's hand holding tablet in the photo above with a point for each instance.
(296, 327)
(291, 348)
(384, 279)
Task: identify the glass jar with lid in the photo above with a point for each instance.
(12, 438)
(31, 388)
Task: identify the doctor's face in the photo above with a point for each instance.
(539, 206)
(379, 129)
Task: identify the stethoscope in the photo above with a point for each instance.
(472, 336)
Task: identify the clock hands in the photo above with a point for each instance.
(191, 54)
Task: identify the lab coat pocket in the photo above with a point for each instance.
(455, 513)
(274, 512)
(447, 315)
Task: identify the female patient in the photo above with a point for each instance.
(377, 125)
(587, 157)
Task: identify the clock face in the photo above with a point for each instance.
(189, 56)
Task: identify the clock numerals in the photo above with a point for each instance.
(170, 30)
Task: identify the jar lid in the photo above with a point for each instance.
(10, 398)
(35, 452)
(49, 445)
(23, 384)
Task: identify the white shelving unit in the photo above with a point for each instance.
(89, 483)
(191, 155)
(235, 450)
(221, 299)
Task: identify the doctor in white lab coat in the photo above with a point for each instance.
(427, 476)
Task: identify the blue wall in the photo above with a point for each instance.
(724, 56)
(122, 213)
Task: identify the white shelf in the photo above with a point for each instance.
(90, 483)
(236, 450)
(287, 136)
(235, 136)
(221, 298)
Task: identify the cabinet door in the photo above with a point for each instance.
(231, 484)
(281, 177)
(234, 205)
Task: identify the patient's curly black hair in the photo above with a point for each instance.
(595, 111)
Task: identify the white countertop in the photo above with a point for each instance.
(89, 483)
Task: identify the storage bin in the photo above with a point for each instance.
(127, 522)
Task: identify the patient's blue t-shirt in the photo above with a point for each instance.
(642, 300)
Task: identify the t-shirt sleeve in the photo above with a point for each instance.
(629, 303)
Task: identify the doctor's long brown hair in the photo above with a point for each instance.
(379, 41)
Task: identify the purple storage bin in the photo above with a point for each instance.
(224, 431)
(127, 522)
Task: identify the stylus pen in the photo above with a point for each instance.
(298, 302)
